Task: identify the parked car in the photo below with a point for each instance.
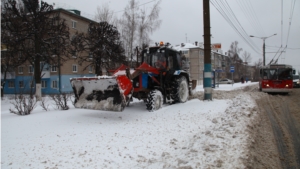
(296, 81)
(225, 81)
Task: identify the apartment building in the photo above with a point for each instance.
(55, 78)
(220, 63)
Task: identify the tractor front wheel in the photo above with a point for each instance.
(154, 100)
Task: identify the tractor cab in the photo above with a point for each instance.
(162, 58)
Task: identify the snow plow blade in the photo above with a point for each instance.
(102, 92)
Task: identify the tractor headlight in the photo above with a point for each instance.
(286, 85)
(267, 85)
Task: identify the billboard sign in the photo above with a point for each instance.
(216, 46)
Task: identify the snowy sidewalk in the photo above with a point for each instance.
(195, 134)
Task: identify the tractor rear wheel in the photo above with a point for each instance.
(180, 90)
(154, 100)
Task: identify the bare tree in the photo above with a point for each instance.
(148, 23)
(129, 24)
(104, 14)
(257, 66)
(246, 56)
(259, 63)
(136, 26)
(38, 32)
(10, 59)
(235, 59)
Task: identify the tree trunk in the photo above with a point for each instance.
(2, 89)
(3, 83)
(98, 69)
(37, 70)
(38, 91)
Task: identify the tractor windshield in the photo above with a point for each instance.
(155, 59)
(158, 60)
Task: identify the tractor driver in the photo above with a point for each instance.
(161, 62)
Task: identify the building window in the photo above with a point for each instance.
(11, 84)
(185, 52)
(54, 84)
(74, 68)
(201, 53)
(90, 69)
(30, 69)
(90, 56)
(53, 68)
(44, 84)
(74, 23)
(20, 69)
(21, 84)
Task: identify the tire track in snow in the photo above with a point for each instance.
(281, 124)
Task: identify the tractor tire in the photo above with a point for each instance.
(180, 91)
(154, 100)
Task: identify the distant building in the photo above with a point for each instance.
(195, 53)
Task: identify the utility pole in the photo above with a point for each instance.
(207, 52)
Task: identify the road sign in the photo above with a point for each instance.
(231, 69)
(219, 70)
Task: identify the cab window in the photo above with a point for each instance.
(170, 62)
(178, 57)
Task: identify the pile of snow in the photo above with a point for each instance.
(195, 134)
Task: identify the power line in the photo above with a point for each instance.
(281, 21)
(281, 47)
(290, 22)
(256, 18)
(280, 54)
(225, 10)
(227, 14)
(247, 14)
(274, 57)
(136, 6)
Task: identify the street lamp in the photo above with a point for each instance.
(264, 46)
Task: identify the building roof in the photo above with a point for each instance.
(73, 12)
(185, 46)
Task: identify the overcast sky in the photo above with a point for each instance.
(182, 21)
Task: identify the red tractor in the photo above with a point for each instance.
(159, 79)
